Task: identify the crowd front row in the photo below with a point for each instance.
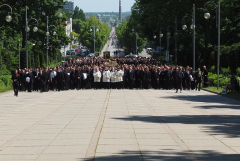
(130, 73)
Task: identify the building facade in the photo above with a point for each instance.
(69, 6)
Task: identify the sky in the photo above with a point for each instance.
(103, 5)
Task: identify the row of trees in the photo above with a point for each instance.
(13, 31)
(81, 29)
(151, 15)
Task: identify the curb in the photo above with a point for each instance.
(224, 95)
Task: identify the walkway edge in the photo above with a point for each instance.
(224, 95)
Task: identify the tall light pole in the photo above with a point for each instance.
(94, 26)
(136, 40)
(184, 27)
(168, 34)
(160, 40)
(35, 29)
(54, 33)
(19, 53)
(8, 19)
(207, 16)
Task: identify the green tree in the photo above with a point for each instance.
(86, 37)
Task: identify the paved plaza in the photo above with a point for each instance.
(114, 125)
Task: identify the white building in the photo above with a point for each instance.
(69, 6)
(68, 27)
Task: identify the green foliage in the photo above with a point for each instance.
(74, 46)
(128, 37)
(86, 37)
(212, 69)
(238, 71)
(226, 71)
(5, 80)
(79, 14)
(155, 14)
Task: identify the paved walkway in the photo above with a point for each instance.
(126, 125)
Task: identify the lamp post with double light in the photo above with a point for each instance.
(47, 33)
(35, 29)
(160, 40)
(207, 16)
(175, 36)
(94, 34)
(184, 27)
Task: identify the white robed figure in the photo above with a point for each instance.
(97, 77)
(106, 78)
(114, 79)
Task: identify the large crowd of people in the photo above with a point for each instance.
(97, 73)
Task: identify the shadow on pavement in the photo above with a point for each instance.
(208, 99)
(217, 124)
(167, 155)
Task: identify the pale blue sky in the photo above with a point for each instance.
(103, 5)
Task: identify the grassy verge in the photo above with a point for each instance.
(236, 94)
(214, 89)
(5, 89)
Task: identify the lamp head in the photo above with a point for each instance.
(192, 26)
(161, 35)
(54, 33)
(28, 29)
(207, 15)
(154, 36)
(35, 29)
(8, 18)
(97, 29)
(184, 27)
(47, 33)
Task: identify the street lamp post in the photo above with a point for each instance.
(94, 26)
(207, 16)
(184, 27)
(19, 52)
(168, 34)
(8, 19)
(54, 33)
(35, 29)
(160, 40)
(136, 40)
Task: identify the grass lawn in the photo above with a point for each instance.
(220, 89)
(5, 89)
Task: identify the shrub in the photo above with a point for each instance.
(212, 69)
(238, 71)
(226, 71)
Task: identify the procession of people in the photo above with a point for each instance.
(97, 73)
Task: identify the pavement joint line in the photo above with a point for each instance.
(90, 154)
(133, 129)
(203, 112)
(181, 144)
(67, 124)
(7, 112)
(33, 126)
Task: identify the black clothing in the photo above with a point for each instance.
(131, 78)
(16, 82)
(178, 80)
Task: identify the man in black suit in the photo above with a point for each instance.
(198, 79)
(131, 77)
(178, 80)
(205, 76)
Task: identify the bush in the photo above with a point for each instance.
(226, 71)
(212, 69)
(238, 71)
(74, 46)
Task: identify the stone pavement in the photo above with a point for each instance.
(126, 125)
